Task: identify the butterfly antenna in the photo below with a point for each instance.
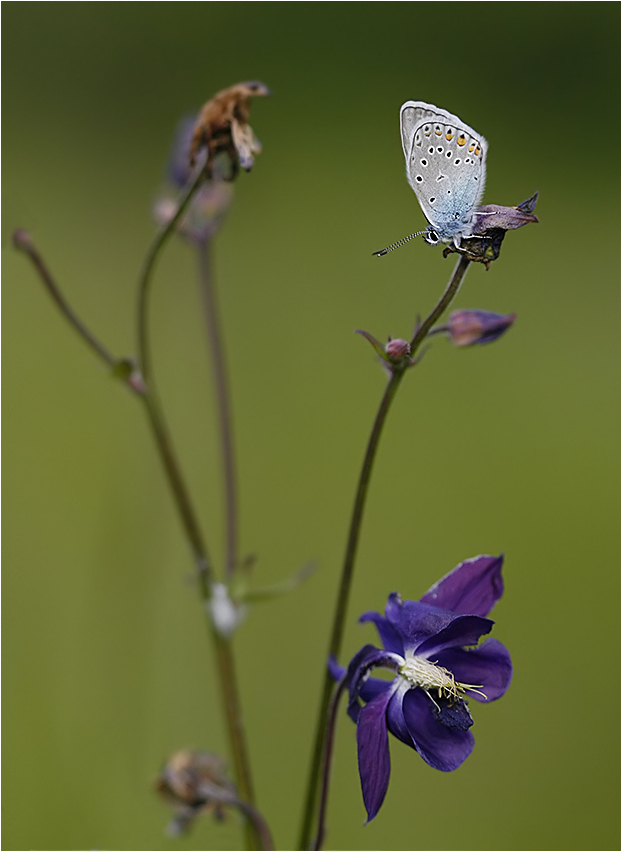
(399, 243)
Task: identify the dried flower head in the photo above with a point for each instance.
(210, 202)
(223, 128)
(195, 782)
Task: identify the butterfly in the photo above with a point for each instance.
(446, 167)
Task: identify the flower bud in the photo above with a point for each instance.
(469, 327)
(397, 350)
(204, 214)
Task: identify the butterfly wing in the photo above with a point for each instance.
(445, 166)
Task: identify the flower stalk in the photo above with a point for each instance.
(223, 402)
(222, 646)
(397, 373)
(144, 286)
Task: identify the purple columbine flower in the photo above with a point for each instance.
(428, 644)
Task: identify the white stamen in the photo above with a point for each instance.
(434, 678)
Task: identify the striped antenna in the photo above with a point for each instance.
(399, 243)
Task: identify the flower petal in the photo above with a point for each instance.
(368, 657)
(415, 622)
(488, 667)
(373, 752)
(441, 746)
(463, 630)
(388, 635)
(336, 671)
(395, 715)
(472, 588)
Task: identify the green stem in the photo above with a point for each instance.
(225, 660)
(144, 357)
(452, 288)
(339, 619)
(223, 648)
(328, 753)
(23, 241)
(256, 838)
(223, 402)
(180, 493)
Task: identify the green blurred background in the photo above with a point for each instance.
(511, 447)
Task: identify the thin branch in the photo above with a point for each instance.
(351, 548)
(223, 402)
(222, 646)
(23, 241)
(197, 177)
(328, 754)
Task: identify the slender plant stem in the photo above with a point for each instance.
(233, 714)
(222, 645)
(255, 835)
(144, 356)
(450, 291)
(23, 241)
(328, 754)
(180, 493)
(342, 603)
(351, 548)
(260, 824)
(223, 402)
(225, 660)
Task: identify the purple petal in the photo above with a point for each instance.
(415, 621)
(529, 205)
(472, 588)
(463, 630)
(488, 667)
(373, 753)
(336, 671)
(443, 747)
(368, 657)
(395, 715)
(388, 635)
(371, 688)
(497, 216)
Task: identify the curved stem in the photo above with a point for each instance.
(222, 646)
(261, 826)
(450, 291)
(328, 754)
(23, 241)
(180, 492)
(223, 402)
(342, 601)
(144, 360)
(351, 548)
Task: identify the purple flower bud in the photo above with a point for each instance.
(469, 327)
(397, 350)
(205, 213)
(179, 169)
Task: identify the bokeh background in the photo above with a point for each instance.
(510, 447)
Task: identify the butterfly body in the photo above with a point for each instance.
(445, 166)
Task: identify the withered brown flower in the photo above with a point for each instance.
(223, 128)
